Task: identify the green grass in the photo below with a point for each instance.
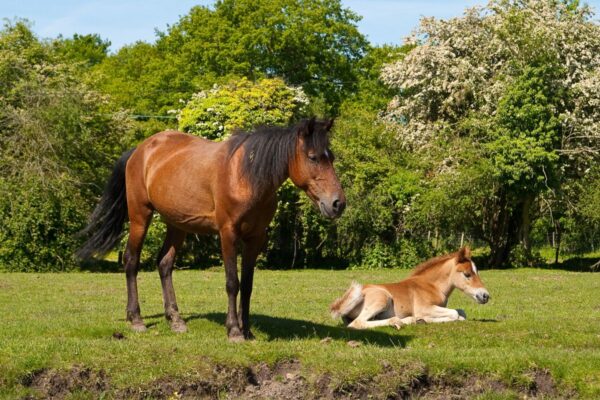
(537, 319)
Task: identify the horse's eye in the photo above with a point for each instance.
(467, 275)
(312, 157)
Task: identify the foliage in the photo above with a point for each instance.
(39, 222)
(309, 43)
(143, 80)
(513, 83)
(242, 105)
(56, 143)
(90, 49)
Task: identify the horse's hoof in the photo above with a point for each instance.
(249, 335)
(421, 321)
(178, 326)
(236, 338)
(235, 335)
(138, 327)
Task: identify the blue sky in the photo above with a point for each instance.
(126, 21)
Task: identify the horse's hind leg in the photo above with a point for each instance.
(166, 259)
(138, 225)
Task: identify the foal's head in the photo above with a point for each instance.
(466, 277)
(311, 168)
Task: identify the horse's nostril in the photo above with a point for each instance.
(338, 205)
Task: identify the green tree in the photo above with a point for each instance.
(90, 49)
(57, 139)
(313, 44)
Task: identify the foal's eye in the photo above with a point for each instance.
(467, 275)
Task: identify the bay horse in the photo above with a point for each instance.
(205, 187)
(422, 297)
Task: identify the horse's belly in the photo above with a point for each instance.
(192, 223)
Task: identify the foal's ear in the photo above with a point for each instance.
(307, 128)
(464, 254)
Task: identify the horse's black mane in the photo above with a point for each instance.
(268, 150)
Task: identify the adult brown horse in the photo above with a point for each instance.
(205, 187)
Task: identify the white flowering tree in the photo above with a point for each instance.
(504, 99)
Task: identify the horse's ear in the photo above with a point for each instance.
(307, 128)
(464, 254)
(329, 124)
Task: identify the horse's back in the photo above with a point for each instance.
(176, 172)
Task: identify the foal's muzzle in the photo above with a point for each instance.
(482, 296)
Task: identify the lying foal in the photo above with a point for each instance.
(420, 297)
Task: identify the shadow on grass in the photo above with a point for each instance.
(100, 266)
(573, 264)
(576, 264)
(288, 328)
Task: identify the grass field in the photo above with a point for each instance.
(539, 335)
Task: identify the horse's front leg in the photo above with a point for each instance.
(232, 283)
(252, 248)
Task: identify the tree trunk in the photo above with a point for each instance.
(558, 237)
(525, 224)
(509, 226)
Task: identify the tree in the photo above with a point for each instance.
(308, 43)
(513, 85)
(57, 140)
(89, 49)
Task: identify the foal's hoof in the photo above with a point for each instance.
(178, 326)
(248, 335)
(396, 322)
(138, 327)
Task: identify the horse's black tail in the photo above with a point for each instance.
(105, 228)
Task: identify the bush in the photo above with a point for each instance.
(39, 223)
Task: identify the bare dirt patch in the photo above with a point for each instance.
(57, 384)
(285, 380)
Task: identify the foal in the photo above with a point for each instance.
(420, 297)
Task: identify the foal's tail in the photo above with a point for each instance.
(345, 304)
(105, 228)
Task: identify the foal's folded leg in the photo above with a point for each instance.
(440, 314)
(376, 301)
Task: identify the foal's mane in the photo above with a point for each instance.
(269, 149)
(431, 263)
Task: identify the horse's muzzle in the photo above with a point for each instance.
(333, 208)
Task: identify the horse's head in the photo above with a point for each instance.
(466, 277)
(311, 168)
